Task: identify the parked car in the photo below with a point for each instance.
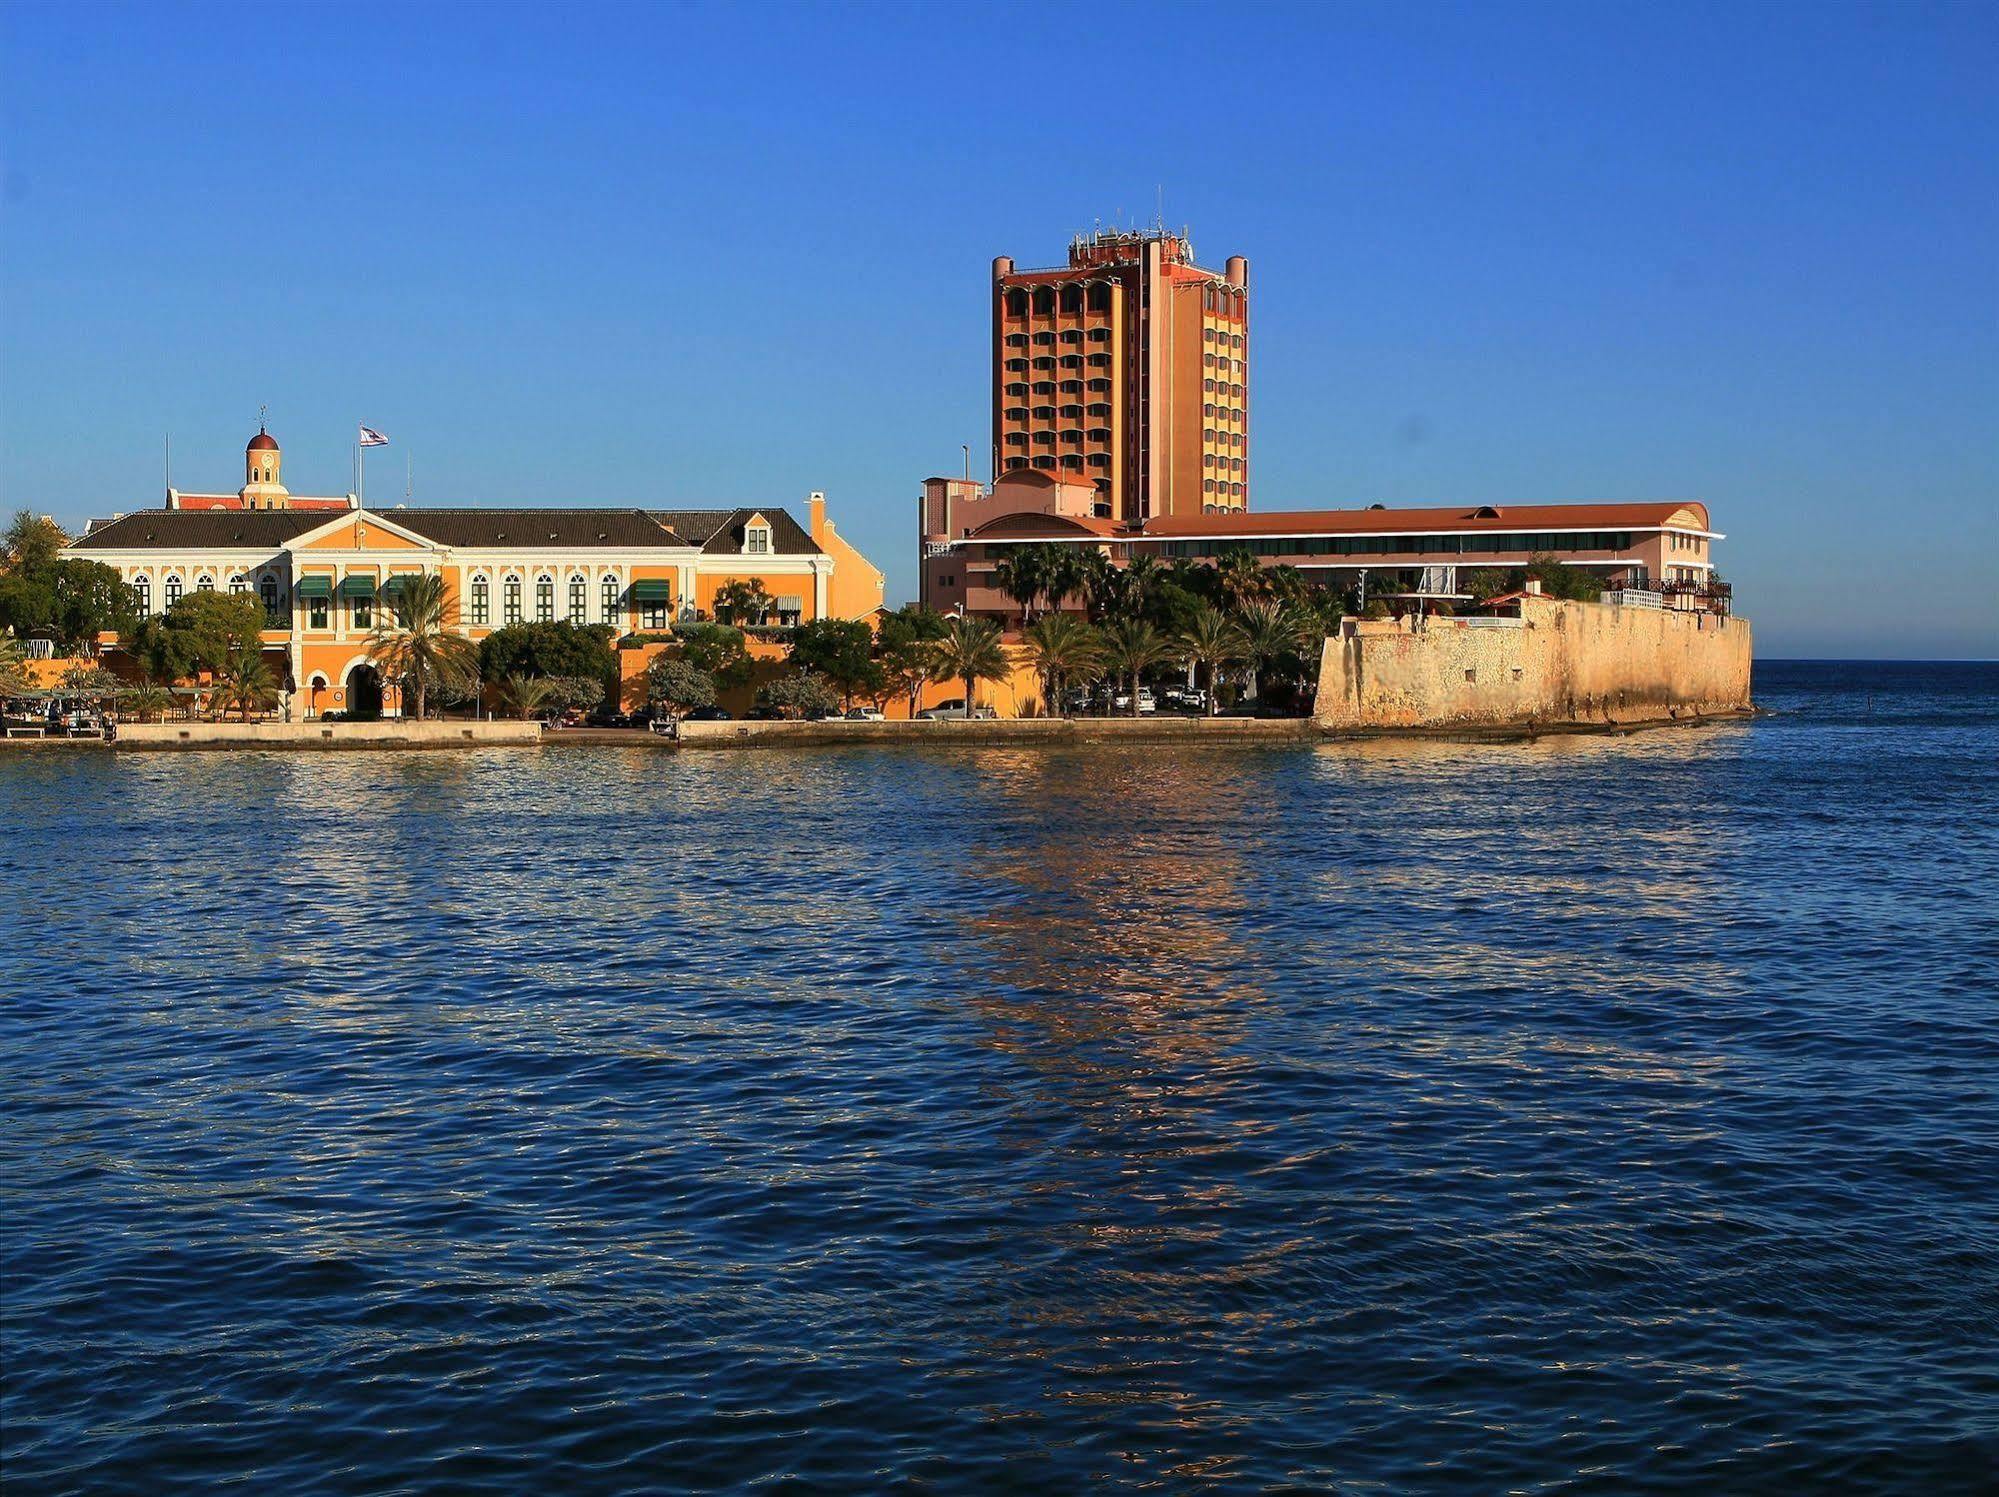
(1185, 698)
(608, 719)
(710, 715)
(954, 710)
(1122, 701)
(865, 715)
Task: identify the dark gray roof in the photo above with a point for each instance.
(714, 530)
(497, 529)
(721, 530)
(219, 529)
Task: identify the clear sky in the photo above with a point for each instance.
(678, 256)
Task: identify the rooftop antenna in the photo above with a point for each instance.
(409, 477)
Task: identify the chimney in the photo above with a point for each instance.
(1534, 587)
(815, 505)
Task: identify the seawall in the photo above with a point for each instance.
(998, 731)
(1559, 662)
(389, 733)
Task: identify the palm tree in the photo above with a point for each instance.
(1213, 640)
(1240, 575)
(523, 695)
(1134, 647)
(1068, 575)
(1268, 632)
(970, 651)
(244, 682)
(1062, 647)
(147, 699)
(416, 641)
(13, 669)
(1023, 576)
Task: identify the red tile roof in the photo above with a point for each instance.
(1500, 517)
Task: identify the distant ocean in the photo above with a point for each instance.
(1612, 1114)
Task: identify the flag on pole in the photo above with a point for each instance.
(372, 438)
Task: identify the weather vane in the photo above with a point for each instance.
(263, 417)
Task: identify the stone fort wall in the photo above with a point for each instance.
(1560, 662)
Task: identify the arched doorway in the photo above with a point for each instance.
(364, 693)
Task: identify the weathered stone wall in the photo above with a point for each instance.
(390, 733)
(1561, 662)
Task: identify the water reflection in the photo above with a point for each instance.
(502, 1121)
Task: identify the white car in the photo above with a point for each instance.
(865, 715)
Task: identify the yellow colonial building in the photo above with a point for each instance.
(323, 567)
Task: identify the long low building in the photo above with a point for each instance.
(968, 528)
(324, 567)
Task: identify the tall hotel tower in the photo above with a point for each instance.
(1126, 369)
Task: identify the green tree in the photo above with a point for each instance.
(200, 632)
(842, 651)
(244, 681)
(13, 669)
(743, 602)
(32, 543)
(1063, 649)
(1212, 640)
(904, 646)
(417, 642)
(969, 651)
(554, 648)
(1132, 648)
(718, 649)
(1559, 579)
(89, 683)
(1023, 576)
(1269, 632)
(678, 685)
(573, 693)
(1240, 576)
(800, 694)
(523, 695)
(147, 700)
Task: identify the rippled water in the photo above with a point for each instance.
(1598, 1113)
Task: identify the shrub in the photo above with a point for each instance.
(803, 694)
(678, 685)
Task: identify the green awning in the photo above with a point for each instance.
(652, 592)
(357, 587)
(315, 587)
(396, 584)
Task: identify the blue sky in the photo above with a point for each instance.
(675, 256)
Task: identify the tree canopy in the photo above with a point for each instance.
(545, 649)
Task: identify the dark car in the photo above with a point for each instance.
(603, 719)
(709, 715)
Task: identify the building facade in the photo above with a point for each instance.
(1126, 370)
(325, 570)
(1664, 547)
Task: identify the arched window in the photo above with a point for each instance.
(544, 599)
(482, 602)
(579, 600)
(610, 600)
(239, 584)
(1044, 302)
(142, 594)
(204, 585)
(1016, 303)
(510, 601)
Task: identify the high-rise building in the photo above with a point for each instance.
(1127, 369)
